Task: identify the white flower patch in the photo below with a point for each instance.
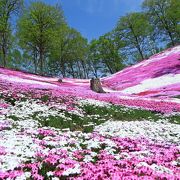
(75, 170)
(155, 167)
(93, 102)
(19, 148)
(94, 143)
(55, 178)
(25, 109)
(88, 158)
(28, 124)
(160, 169)
(50, 173)
(19, 80)
(142, 154)
(177, 162)
(153, 83)
(160, 131)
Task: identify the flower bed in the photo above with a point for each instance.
(51, 130)
(114, 149)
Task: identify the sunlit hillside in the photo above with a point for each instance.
(64, 130)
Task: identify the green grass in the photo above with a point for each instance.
(71, 121)
(13, 117)
(121, 113)
(96, 115)
(45, 98)
(174, 119)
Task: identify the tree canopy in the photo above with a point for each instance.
(37, 38)
(36, 29)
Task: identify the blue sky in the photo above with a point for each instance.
(93, 18)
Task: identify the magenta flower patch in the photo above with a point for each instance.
(53, 130)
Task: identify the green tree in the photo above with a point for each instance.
(8, 8)
(105, 55)
(69, 52)
(36, 29)
(93, 58)
(135, 31)
(164, 15)
(109, 53)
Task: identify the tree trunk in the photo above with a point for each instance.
(95, 85)
(171, 37)
(79, 70)
(4, 57)
(63, 70)
(72, 70)
(4, 49)
(41, 61)
(35, 61)
(94, 70)
(41, 66)
(164, 22)
(140, 52)
(137, 42)
(138, 46)
(84, 69)
(109, 68)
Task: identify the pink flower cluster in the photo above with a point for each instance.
(46, 132)
(131, 159)
(158, 99)
(3, 107)
(70, 95)
(158, 65)
(2, 151)
(11, 174)
(4, 125)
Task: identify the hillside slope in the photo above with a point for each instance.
(151, 84)
(51, 130)
(157, 76)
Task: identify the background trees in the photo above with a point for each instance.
(135, 31)
(105, 55)
(7, 9)
(44, 43)
(68, 53)
(36, 29)
(164, 15)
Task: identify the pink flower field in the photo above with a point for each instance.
(152, 84)
(62, 130)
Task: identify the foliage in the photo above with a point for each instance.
(105, 51)
(36, 29)
(68, 54)
(134, 30)
(165, 17)
(44, 43)
(8, 8)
